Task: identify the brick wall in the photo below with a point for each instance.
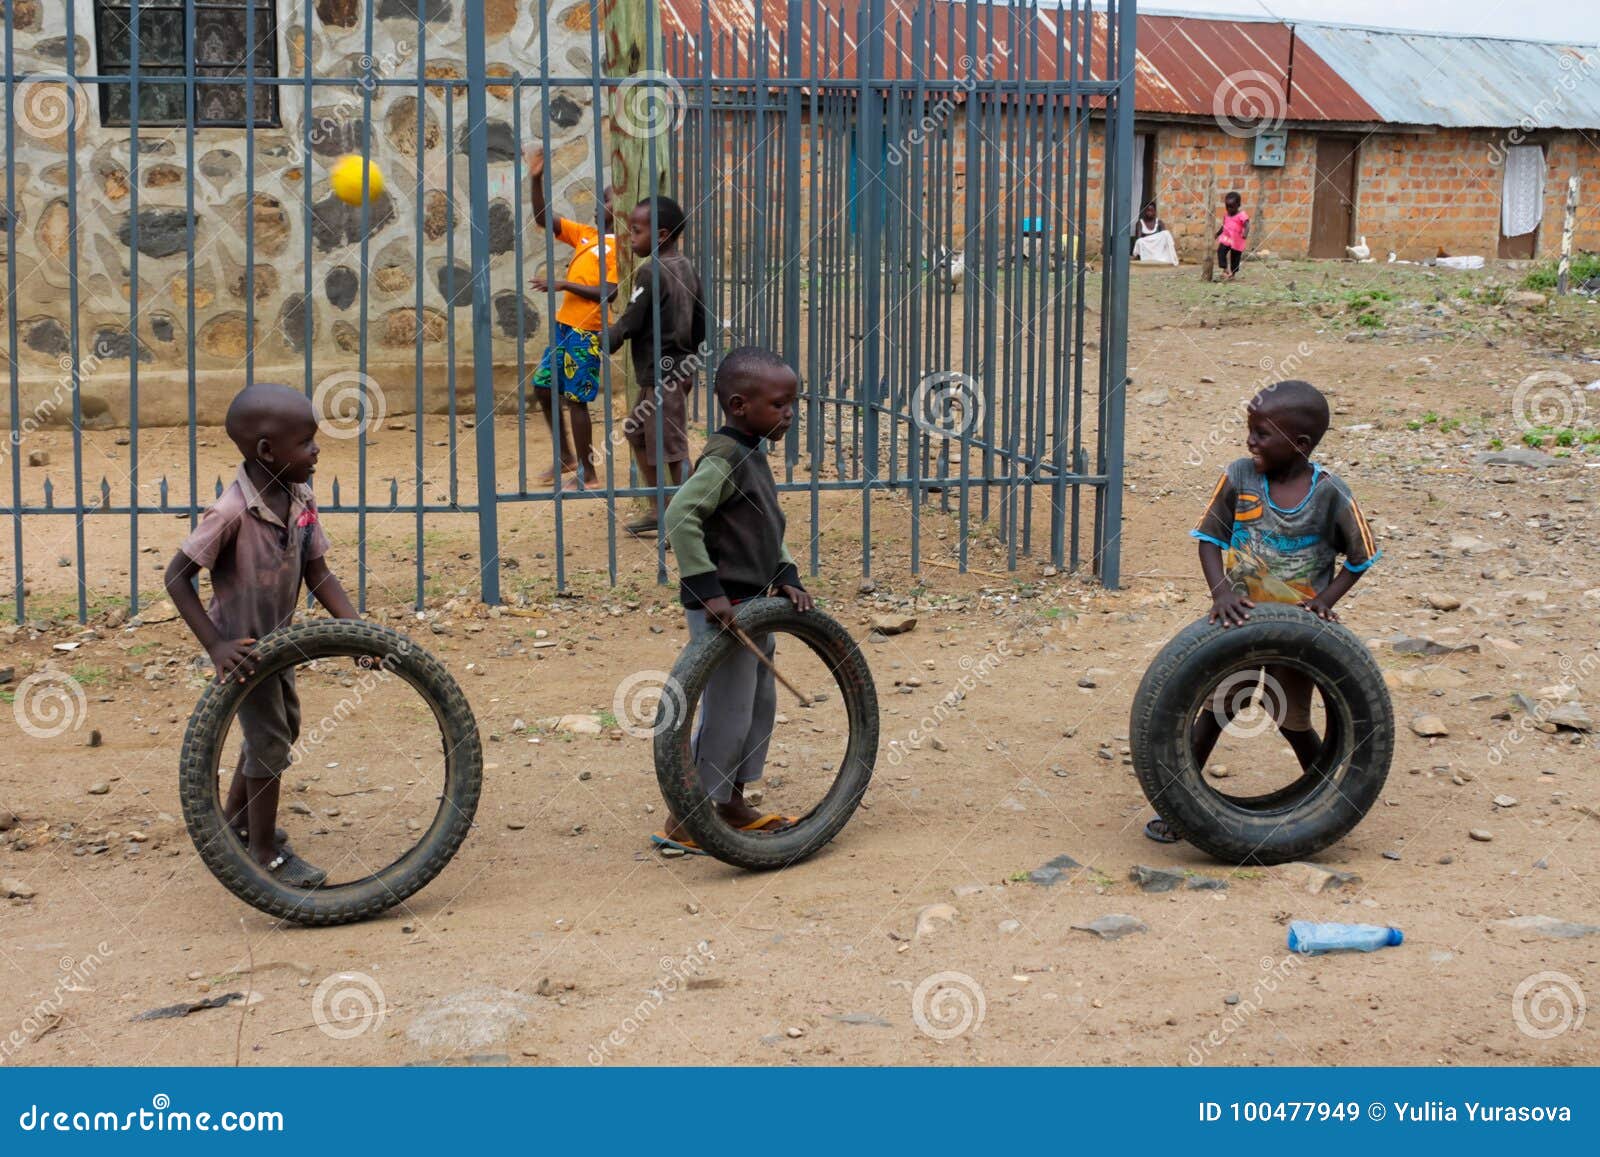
(1416, 192)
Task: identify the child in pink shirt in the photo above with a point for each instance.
(1231, 237)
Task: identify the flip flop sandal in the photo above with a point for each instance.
(1160, 831)
(660, 840)
(640, 527)
(295, 872)
(771, 823)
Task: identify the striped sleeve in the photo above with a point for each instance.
(1216, 524)
(1352, 534)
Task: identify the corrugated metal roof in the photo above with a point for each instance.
(1187, 65)
(1464, 81)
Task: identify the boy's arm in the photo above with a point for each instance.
(1321, 603)
(1214, 532)
(226, 654)
(789, 581)
(594, 293)
(1228, 606)
(324, 586)
(1353, 537)
(702, 492)
(697, 324)
(635, 319)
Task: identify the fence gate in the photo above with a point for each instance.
(923, 206)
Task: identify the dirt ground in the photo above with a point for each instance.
(557, 937)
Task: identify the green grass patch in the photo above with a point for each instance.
(1543, 276)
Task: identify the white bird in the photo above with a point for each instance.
(951, 268)
(1358, 252)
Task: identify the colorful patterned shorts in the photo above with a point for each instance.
(574, 355)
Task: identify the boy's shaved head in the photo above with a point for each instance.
(262, 410)
(742, 367)
(1297, 406)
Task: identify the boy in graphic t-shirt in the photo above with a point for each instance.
(1273, 532)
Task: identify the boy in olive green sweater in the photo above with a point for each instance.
(726, 529)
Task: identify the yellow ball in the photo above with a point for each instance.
(346, 179)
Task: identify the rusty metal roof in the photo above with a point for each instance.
(1464, 81)
(1187, 65)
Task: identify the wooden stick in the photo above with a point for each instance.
(738, 632)
(1563, 278)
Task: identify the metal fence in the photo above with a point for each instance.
(900, 197)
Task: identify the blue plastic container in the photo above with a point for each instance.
(1310, 939)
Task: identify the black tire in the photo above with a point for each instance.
(229, 859)
(675, 768)
(1319, 808)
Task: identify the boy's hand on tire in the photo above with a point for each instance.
(800, 597)
(1319, 608)
(232, 655)
(1230, 608)
(719, 610)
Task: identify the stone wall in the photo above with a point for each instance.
(285, 211)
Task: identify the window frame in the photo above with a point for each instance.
(267, 45)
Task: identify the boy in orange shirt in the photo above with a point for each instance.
(572, 359)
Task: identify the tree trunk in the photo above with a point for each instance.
(633, 47)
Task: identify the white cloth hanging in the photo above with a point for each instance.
(1140, 140)
(1522, 195)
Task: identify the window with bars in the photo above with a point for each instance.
(218, 46)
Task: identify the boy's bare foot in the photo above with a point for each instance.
(549, 476)
(737, 812)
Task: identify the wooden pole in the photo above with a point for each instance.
(1208, 266)
(1564, 276)
(633, 47)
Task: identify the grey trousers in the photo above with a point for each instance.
(270, 720)
(736, 716)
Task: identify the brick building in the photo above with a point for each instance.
(1415, 141)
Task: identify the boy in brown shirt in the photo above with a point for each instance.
(259, 541)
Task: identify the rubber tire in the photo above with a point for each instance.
(675, 768)
(229, 859)
(1296, 821)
